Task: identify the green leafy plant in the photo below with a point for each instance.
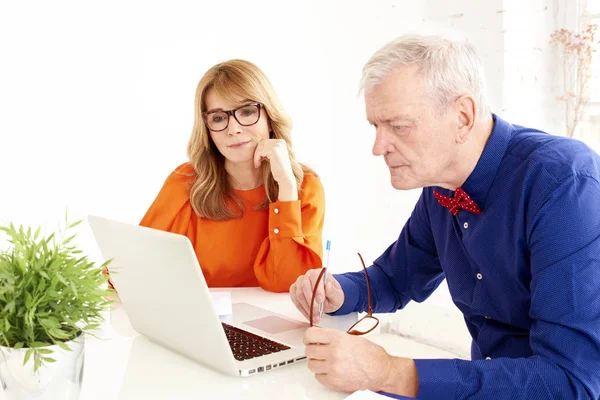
(50, 293)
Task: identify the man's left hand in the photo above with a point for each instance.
(348, 363)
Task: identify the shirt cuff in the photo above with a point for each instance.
(438, 378)
(351, 295)
(285, 219)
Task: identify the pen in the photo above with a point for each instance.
(327, 251)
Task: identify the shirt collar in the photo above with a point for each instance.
(479, 181)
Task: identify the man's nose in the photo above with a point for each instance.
(380, 146)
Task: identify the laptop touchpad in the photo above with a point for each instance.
(274, 325)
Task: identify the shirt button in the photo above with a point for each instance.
(466, 225)
(276, 231)
(276, 210)
(488, 358)
(479, 276)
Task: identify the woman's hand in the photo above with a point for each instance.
(276, 152)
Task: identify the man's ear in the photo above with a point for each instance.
(466, 110)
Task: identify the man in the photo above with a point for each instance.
(510, 216)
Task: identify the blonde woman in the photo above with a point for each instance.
(252, 212)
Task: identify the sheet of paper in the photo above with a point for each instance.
(339, 322)
(366, 395)
(221, 303)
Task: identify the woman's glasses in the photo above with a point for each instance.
(245, 115)
(364, 325)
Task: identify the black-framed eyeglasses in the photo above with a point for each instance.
(245, 115)
(364, 325)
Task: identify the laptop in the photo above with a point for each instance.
(166, 298)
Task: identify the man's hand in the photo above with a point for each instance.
(348, 363)
(301, 294)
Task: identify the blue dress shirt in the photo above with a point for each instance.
(525, 273)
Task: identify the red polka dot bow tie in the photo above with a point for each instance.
(461, 200)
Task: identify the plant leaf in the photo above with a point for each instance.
(36, 363)
(42, 285)
(63, 346)
(50, 323)
(68, 240)
(27, 355)
(59, 334)
(9, 307)
(61, 279)
(74, 224)
(28, 300)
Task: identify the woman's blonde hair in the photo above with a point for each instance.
(211, 194)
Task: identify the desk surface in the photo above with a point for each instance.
(125, 365)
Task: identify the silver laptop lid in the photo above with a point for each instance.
(163, 291)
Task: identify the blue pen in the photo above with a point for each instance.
(327, 251)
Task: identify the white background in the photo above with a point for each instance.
(96, 99)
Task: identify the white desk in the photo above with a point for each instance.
(125, 365)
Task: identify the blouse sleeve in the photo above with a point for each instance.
(170, 210)
(294, 244)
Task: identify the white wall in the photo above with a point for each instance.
(96, 101)
(531, 75)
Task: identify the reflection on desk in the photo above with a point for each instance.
(125, 365)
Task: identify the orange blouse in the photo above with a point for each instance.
(268, 248)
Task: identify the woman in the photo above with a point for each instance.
(252, 212)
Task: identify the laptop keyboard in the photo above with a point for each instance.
(246, 345)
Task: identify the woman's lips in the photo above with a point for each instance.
(240, 144)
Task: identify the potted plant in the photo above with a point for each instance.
(51, 295)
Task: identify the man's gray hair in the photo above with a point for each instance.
(451, 68)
